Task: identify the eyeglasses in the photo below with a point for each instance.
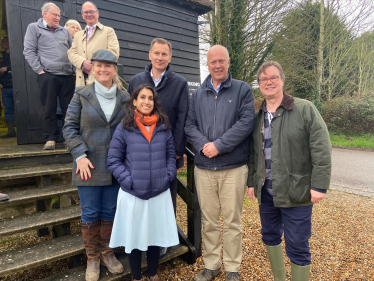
(272, 79)
(55, 15)
(88, 12)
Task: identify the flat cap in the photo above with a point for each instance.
(104, 55)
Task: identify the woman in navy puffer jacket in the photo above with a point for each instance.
(143, 160)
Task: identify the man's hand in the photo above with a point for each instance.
(1, 86)
(316, 196)
(84, 165)
(210, 150)
(41, 72)
(87, 66)
(251, 193)
(3, 70)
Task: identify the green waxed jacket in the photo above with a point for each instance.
(300, 153)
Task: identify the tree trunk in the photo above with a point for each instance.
(317, 98)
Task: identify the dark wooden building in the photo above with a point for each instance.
(136, 23)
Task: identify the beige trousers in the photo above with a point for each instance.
(222, 191)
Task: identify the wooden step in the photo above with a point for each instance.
(33, 155)
(32, 194)
(48, 251)
(39, 220)
(78, 274)
(35, 171)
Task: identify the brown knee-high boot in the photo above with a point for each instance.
(91, 238)
(107, 254)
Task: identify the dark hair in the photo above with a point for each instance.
(129, 122)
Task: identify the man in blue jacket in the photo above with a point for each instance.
(219, 122)
(45, 48)
(173, 93)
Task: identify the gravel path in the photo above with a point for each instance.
(342, 243)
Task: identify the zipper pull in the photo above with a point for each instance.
(216, 96)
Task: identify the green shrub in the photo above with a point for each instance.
(349, 115)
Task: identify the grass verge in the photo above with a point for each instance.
(362, 141)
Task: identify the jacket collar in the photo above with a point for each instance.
(98, 25)
(224, 84)
(159, 127)
(88, 92)
(167, 74)
(287, 102)
(40, 23)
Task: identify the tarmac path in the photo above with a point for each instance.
(353, 171)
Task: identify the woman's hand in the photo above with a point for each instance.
(84, 165)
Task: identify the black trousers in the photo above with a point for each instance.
(52, 86)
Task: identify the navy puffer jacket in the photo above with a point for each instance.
(143, 169)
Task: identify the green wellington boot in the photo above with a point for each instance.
(300, 273)
(275, 254)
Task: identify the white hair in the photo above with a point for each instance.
(47, 7)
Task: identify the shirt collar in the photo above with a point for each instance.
(87, 26)
(219, 86)
(46, 24)
(156, 81)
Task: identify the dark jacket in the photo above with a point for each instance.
(87, 130)
(143, 169)
(174, 95)
(226, 119)
(300, 153)
(6, 78)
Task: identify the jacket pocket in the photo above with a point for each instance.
(299, 191)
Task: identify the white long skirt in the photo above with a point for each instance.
(141, 223)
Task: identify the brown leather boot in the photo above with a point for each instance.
(154, 278)
(107, 256)
(91, 238)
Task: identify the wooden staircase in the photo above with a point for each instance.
(35, 177)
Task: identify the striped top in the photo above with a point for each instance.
(267, 149)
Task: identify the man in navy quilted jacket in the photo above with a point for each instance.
(219, 122)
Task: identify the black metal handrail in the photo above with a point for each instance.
(189, 195)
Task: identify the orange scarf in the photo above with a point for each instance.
(143, 121)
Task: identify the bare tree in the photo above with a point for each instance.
(247, 29)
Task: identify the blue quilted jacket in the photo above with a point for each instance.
(143, 169)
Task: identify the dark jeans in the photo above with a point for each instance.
(98, 202)
(296, 224)
(52, 86)
(8, 102)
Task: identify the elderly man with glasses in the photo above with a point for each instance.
(94, 37)
(45, 49)
(289, 171)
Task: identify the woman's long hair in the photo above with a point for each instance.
(129, 122)
(116, 80)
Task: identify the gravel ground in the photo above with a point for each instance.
(342, 244)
